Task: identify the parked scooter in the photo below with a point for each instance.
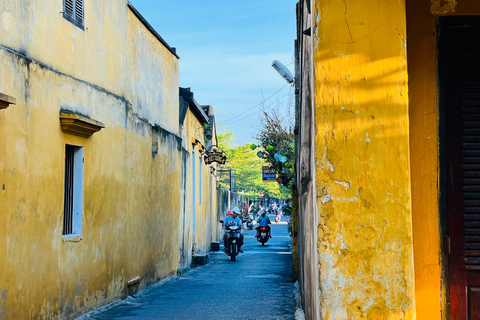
(233, 235)
(262, 234)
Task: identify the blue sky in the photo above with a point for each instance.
(226, 49)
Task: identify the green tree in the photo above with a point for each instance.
(276, 137)
(247, 168)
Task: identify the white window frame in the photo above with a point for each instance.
(73, 192)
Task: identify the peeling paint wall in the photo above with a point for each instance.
(362, 160)
(382, 232)
(116, 72)
(440, 7)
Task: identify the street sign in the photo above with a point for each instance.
(215, 155)
(269, 174)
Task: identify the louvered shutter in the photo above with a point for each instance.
(471, 158)
(79, 11)
(69, 4)
(459, 74)
(73, 9)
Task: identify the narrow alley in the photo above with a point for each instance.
(258, 285)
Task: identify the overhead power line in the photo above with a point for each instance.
(255, 106)
(257, 111)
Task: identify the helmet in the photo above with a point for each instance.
(229, 212)
(236, 210)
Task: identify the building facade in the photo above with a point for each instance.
(387, 161)
(93, 158)
(200, 184)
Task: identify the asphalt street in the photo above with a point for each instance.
(258, 285)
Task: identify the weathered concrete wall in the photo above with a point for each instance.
(184, 234)
(362, 160)
(226, 200)
(307, 236)
(117, 73)
(368, 146)
(223, 205)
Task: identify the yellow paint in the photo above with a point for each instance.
(430, 283)
(203, 203)
(424, 149)
(115, 72)
(363, 161)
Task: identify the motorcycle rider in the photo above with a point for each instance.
(264, 221)
(229, 212)
(230, 220)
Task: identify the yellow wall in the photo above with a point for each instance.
(422, 69)
(131, 207)
(430, 285)
(194, 132)
(363, 164)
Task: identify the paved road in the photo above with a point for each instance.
(260, 282)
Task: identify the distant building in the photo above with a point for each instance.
(388, 166)
(200, 185)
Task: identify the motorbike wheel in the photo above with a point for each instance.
(233, 252)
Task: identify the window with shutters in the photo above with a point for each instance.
(73, 191)
(73, 12)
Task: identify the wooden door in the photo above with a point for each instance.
(459, 75)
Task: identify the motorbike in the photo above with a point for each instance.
(277, 218)
(249, 223)
(232, 234)
(262, 235)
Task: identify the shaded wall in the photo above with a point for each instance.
(429, 222)
(226, 200)
(114, 71)
(307, 218)
(200, 208)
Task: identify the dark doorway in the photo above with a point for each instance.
(459, 88)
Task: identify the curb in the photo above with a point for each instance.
(299, 314)
(130, 299)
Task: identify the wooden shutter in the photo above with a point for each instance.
(69, 7)
(73, 11)
(68, 190)
(470, 75)
(459, 74)
(79, 11)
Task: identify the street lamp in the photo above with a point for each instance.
(283, 71)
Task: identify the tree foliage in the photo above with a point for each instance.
(276, 135)
(247, 168)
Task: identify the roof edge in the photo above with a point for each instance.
(151, 29)
(187, 94)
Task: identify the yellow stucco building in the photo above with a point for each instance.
(199, 135)
(95, 164)
(387, 166)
